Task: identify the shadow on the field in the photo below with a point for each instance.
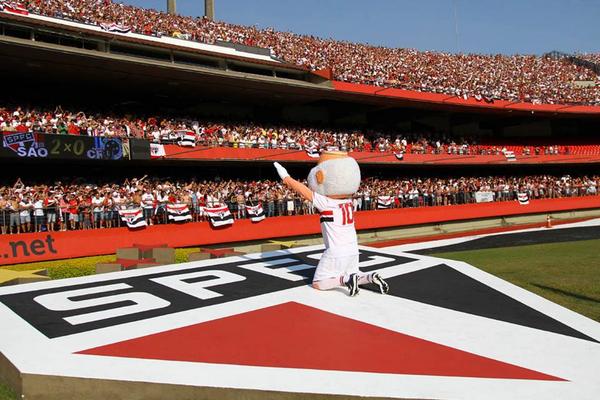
(566, 293)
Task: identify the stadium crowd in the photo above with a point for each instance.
(595, 58)
(167, 130)
(77, 204)
(526, 78)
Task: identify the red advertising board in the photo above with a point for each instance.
(44, 246)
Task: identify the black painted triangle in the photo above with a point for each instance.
(443, 286)
(518, 239)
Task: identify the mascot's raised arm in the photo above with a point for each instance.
(332, 183)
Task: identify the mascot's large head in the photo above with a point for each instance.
(336, 175)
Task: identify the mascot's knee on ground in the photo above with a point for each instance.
(332, 184)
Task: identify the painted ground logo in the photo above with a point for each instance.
(85, 307)
(251, 323)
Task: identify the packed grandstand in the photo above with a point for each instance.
(526, 78)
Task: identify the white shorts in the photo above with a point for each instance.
(333, 267)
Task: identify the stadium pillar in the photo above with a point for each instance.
(172, 6)
(209, 9)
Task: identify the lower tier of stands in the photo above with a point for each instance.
(31, 247)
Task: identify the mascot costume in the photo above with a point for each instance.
(332, 183)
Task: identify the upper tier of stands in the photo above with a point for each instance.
(523, 78)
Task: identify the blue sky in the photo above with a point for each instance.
(484, 26)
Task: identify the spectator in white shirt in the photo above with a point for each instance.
(148, 205)
(97, 209)
(38, 213)
(25, 206)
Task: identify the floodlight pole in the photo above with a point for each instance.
(172, 6)
(209, 9)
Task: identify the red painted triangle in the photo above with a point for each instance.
(292, 335)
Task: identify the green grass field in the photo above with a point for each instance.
(566, 273)
(74, 267)
(6, 393)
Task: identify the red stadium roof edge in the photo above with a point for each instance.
(449, 100)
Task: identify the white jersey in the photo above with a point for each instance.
(337, 225)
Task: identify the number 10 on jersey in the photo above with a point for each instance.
(347, 213)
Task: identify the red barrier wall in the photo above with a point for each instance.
(410, 95)
(326, 73)
(366, 157)
(59, 245)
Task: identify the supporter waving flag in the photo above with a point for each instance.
(179, 212)
(133, 217)
(219, 216)
(256, 213)
(384, 202)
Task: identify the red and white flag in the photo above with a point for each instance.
(188, 139)
(313, 152)
(384, 202)
(256, 213)
(13, 7)
(219, 216)
(523, 198)
(157, 150)
(133, 217)
(178, 212)
(116, 28)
